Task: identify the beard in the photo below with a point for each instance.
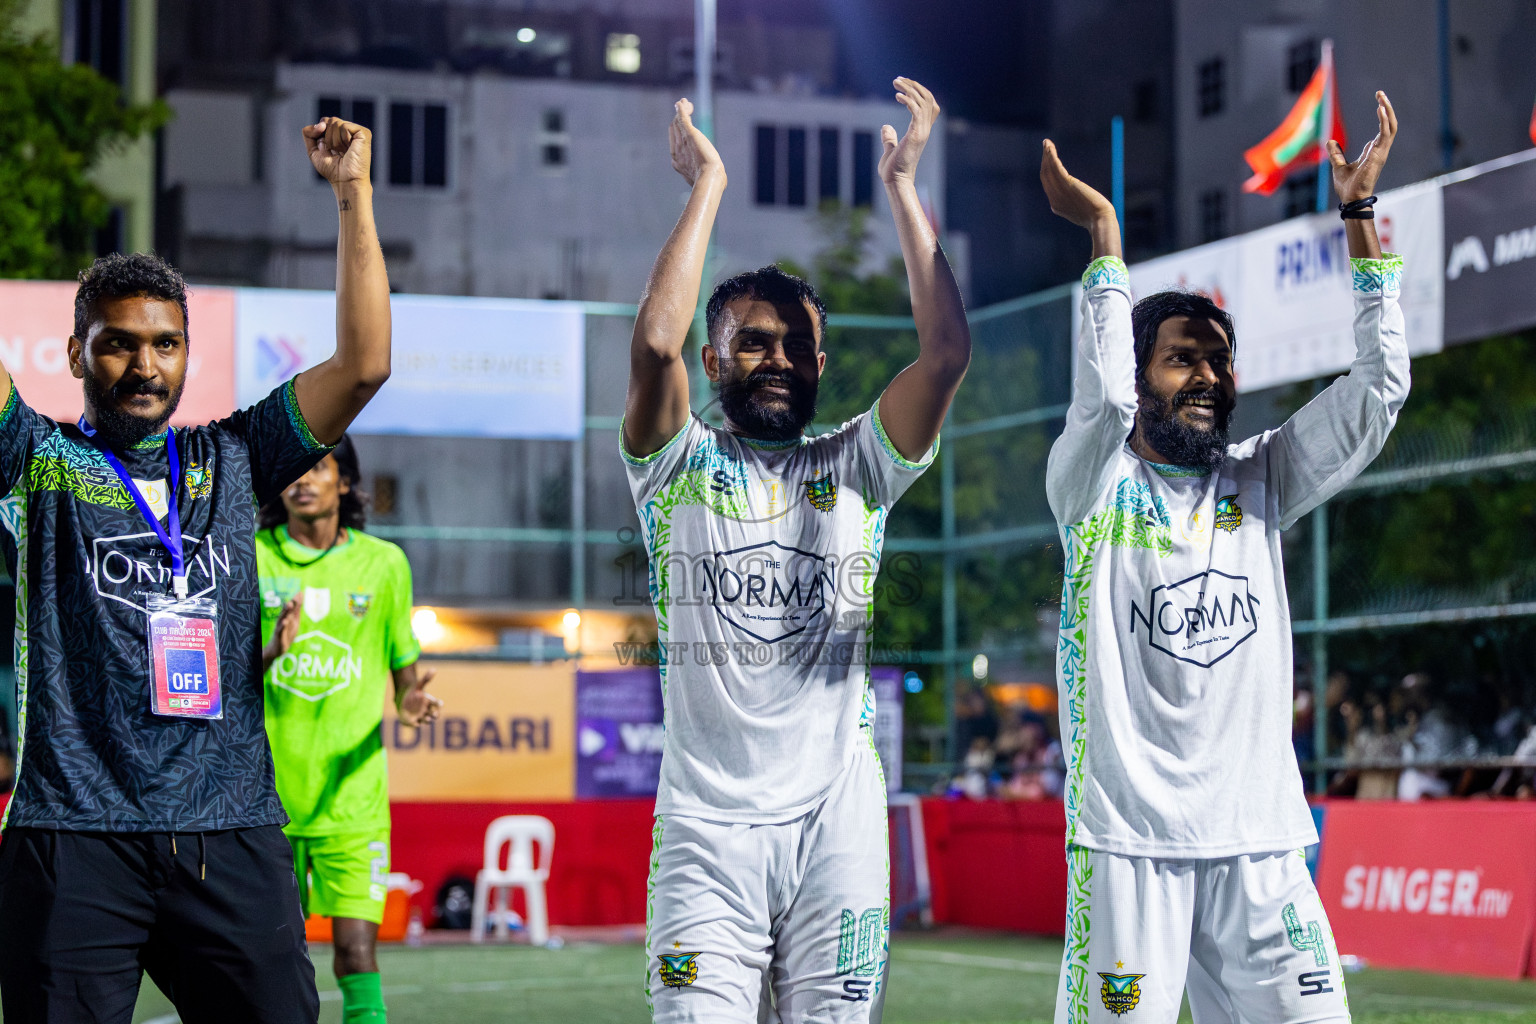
(768, 417)
(123, 429)
(1177, 441)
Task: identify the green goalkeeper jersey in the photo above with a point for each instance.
(325, 696)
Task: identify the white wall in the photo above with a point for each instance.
(1378, 44)
(508, 225)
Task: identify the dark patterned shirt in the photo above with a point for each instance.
(91, 755)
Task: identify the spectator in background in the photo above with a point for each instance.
(1338, 692)
(1373, 743)
(974, 718)
(1302, 718)
(1036, 764)
(1429, 734)
(976, 780)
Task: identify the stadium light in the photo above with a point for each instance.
(526, 35)
(570, 627)
(979, 667)
(426, 627)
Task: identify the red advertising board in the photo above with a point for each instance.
(37, 318)
(1436, 886)
(998, 864)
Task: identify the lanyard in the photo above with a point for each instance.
(170, 538)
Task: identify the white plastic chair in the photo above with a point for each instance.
(529, 840)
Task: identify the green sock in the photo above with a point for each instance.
(362, 998)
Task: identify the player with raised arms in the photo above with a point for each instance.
(1185, 812)
(327, 586)
(145, 829)
(769, 872)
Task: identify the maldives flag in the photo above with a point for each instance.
(1294, 144)
(1533, 126)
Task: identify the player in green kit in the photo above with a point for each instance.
(336, 623)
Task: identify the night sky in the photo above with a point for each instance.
(976, 55)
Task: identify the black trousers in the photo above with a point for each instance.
(212, 916)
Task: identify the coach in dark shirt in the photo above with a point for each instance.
(144, 832)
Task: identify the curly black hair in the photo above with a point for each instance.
(1148, 315)
(134, 275)
(354, 502)
(767, 284)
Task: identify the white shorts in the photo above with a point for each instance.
(787, 922)
(1246, 935)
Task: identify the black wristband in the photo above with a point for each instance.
(1359, 209)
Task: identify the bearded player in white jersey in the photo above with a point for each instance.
(769, 873)
(1185, 811)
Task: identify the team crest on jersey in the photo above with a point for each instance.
(199, 482)
(678, 970)
(821, 493)
(1120, 992)
(358, 604)
(1229, 515)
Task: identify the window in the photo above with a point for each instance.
(418, 144)
(98, 29)
(1300, 61)
(1212, 87)
(1301, 194)
(794, 149)
(1213, 215)
(554, 142)
(767, 164)
(780, 166)
(1141, 227)
(357, 109)
(1144, 100)
(110, 237)
(863, 168)
(829, 173)
(623, 53)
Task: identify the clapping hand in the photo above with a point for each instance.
(692, 152)
(900, 156)
(1357, 180)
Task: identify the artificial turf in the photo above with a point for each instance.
(935, 979)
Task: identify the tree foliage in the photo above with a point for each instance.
(56, 122)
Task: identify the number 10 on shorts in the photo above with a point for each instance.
(861, 952)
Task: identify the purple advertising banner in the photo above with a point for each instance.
(618, 733)
(619, 730)
(889, 695)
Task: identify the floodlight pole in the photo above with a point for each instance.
(1325, 127)
(704, 120)
(704, 66)
(1117, 170)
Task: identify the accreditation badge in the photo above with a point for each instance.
(184, 658)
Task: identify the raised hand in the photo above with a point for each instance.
(339, 150)
(1358, 180)
(1079, 203)
(692, 152)
(900, 156)
(1069, 197)
(283, 633)
(417, 705)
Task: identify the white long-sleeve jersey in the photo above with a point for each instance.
(1174, 656)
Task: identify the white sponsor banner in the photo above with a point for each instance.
(463, 367)
(1288, 287)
